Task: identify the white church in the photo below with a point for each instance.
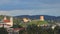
(6, 23)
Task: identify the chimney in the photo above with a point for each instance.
(41, 18)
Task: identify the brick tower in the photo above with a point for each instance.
(41, 18)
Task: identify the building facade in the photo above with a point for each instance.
(6, 23)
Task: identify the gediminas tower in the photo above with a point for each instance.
(41, 18)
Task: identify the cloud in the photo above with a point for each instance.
(30, 7)
(25, 4)
(53, 12)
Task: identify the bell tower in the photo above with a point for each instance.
(5, 18)
(11, 21)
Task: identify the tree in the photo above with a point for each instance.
(22, 31)
(32, 29)
(57, 30)
(3, 31)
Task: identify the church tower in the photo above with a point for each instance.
(11, 21)
(5, 18)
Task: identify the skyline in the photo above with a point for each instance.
(30, 7)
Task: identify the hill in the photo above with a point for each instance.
(33, 17)
(47, 17)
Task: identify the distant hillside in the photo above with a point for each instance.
(19, 18)
(46, 17)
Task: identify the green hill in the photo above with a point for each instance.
(38, 22)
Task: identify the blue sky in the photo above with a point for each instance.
(30, 7)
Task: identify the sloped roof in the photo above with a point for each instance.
(4, 21)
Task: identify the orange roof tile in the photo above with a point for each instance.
(6, 21)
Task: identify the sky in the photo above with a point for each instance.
(30, 7)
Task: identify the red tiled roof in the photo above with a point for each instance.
(6, 21)
(18, 28)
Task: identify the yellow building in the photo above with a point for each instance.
(25, 20)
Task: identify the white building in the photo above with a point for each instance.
(6, 23)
